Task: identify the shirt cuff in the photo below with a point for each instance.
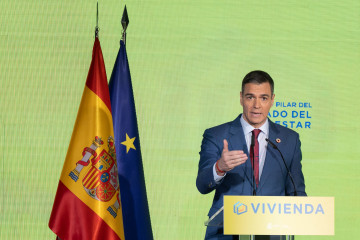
(217, 177)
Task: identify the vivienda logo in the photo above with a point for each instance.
(279, 208)
(240, 208)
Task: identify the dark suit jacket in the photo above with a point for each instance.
(274, 180)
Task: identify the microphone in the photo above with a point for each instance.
(252, 145)
(282, 157)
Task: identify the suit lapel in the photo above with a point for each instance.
(237, 142)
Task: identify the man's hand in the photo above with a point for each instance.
(229, 159)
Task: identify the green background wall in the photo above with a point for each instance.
(187, 60)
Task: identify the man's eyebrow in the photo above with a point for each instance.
(262, 95)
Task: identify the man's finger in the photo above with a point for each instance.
(226, 147)
(235, 152)
(238, 162)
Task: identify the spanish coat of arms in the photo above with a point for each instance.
(101, 179)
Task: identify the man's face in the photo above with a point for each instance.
(256, 101)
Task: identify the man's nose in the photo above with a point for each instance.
(257, 103)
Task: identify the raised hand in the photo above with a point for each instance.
(229, 159)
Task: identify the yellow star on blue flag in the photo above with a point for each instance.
(129, 143)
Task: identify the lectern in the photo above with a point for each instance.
(286, 216)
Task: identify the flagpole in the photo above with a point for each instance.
(124, 23)
(97, 21)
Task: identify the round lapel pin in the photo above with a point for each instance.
(278, 140)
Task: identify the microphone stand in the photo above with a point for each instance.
(252, 145)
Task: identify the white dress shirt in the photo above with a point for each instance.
(247, 128)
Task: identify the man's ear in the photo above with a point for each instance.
(241, 100)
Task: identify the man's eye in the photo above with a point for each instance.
(264, 98)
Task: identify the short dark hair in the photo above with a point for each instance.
(258, 77)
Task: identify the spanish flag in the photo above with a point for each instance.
(87, 203)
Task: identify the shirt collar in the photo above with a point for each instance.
(247, 128)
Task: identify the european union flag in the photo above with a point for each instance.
(137, 224)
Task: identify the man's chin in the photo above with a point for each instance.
(256, 122)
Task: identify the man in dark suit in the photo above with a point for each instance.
(225, 164)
